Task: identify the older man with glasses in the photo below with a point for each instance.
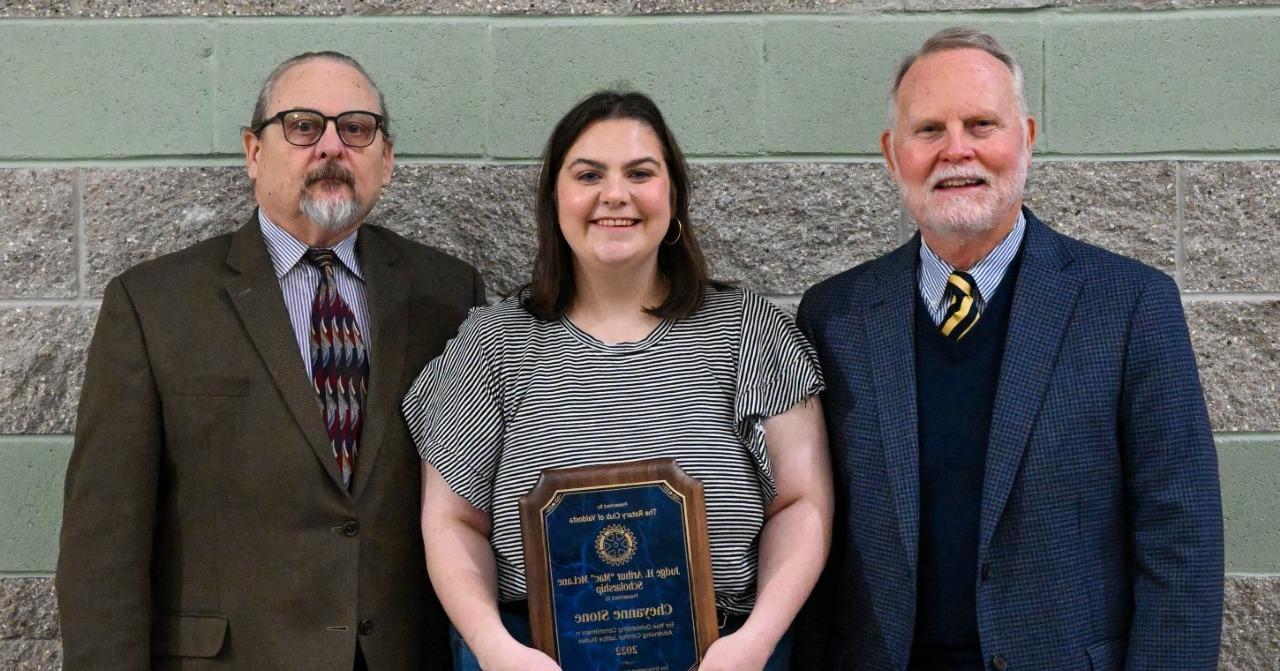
(242, 493)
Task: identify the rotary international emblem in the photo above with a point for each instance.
(616, 545)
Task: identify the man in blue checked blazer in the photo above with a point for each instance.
(1022, 454)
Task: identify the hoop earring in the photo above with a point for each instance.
(679, 232)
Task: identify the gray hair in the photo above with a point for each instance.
(959, 37)
(268, 86)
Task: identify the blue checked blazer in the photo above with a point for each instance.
(1100, 542)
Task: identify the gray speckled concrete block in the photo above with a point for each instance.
(29, 625)
(481, 214)
(1238, 351)
(34, 8)
(38, 250)
(42, 367)
(28, 609)
(772, 6)
(131, 216)
(140, 8)
(490, 7)
(1251, 624)
(780, 227)
(29, 655)
(1128, 208)
(1232, 229)
(774, 227)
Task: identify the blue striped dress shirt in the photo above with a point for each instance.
(987, 273)
(298, 281)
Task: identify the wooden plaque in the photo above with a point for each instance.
(617, 567)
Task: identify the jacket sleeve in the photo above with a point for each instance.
(104, 564)
(1172, 493)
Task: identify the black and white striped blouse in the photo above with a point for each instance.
(513, 395)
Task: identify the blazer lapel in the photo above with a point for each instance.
(255, 292)
(889, 322)
(387, 290)
(1043, 300)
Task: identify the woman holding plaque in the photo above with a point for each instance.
(621, 349)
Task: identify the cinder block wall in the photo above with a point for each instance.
(1160, 138)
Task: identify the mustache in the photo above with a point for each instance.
(330, 172)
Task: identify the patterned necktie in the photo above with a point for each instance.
(339, 364)
(963, 302)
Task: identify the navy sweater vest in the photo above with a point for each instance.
(955, 392)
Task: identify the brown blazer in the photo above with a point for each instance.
(205, 526)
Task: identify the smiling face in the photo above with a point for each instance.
(960, 145)
(321, 192)
(613, 199)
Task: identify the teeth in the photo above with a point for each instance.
(959, 181)
(615, 222)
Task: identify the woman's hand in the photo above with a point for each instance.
(462, 569)
(794, 541)
(513, 656)
(738, 651)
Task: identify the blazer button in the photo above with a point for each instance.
(351, 528)
(366, 627)
(999, 663)
(986, 572)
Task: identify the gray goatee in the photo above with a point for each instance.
(330, 214)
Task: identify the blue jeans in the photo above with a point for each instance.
(517, 625)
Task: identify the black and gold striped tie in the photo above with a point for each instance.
(963, 301)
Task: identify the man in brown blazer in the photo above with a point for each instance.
(243, 493)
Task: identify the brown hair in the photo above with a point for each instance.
(551, 290)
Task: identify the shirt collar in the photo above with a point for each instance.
(987, 273)
(286, 251)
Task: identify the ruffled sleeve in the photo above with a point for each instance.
(454, 410)
(777, 368)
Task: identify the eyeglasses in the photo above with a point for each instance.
(303, 127)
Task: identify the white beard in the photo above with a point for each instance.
(964, 215)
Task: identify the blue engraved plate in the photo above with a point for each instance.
(618, 561)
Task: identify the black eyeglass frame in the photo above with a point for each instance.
(279, 116)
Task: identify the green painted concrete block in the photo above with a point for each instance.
(32, 501)
(105, 89)
(1109, 83)
(1249, 467)
(1250, 470)
(827, 80)
(433, 75)
(1163, 82)
(705, 77)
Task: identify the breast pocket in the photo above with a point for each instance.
(205, 410)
